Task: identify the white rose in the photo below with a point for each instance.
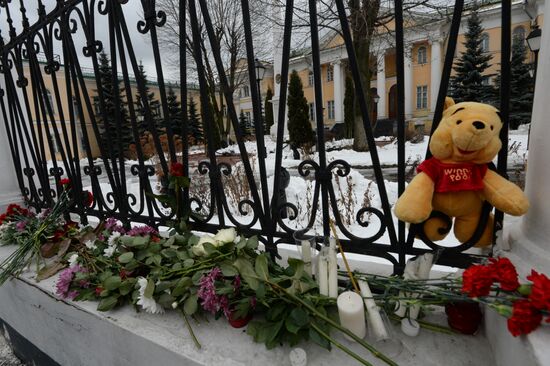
(226, 235)
(198, 250)
(208, 239)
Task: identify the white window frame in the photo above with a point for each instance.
(421, 97)
(330, 109)
(422, 55)
(312, 111)
(485, 42)
(330, 73)
(311, 78)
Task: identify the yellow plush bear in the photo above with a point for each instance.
(456, 180)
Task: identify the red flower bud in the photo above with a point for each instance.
(176, 169)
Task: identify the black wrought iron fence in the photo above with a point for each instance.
(46, 132)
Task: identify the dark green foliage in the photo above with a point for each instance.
(115, 129)
(244, 125)
(349, 98)
(299, 127)
(194, 123)
(174, 112)
(153, 103)
(211, 125)
(521, 88)
(268, 108)
(467, 83)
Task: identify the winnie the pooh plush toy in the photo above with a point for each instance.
(456, 180)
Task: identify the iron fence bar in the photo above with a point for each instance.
(505, 71)
(323, 174)
(183, 95)
(141, 88)
(215, 181)
(258, 118)
(231, 108)
(281, 116)
(400, 68)
(150, 24)
(366, 123)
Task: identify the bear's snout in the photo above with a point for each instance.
(479, 125)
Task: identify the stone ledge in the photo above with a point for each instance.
(74, 333)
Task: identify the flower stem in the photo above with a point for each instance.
(195, 340)
(339, 345)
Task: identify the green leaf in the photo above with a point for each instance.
(247, 273)
(291, 326)
(261, 267)
(170, 241)
(275, 312)
(150, 289)
(126, 287)
(209, 248)
(107, 303)
(191, 304)
(182, 255)
(126, 257)
(166, 300)
(252, 243)
(242, 243)
(139, 241)
(228, 270)
(300, 316)
(318, 338)
(169, 253)
(297, 266)
(112, 283)
(188, 262)
(181, 286)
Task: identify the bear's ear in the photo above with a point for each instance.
(449, 102)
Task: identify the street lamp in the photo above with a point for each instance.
(260, 72)
(376, 98)
(533, 41)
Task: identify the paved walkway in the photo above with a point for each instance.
(6, 356)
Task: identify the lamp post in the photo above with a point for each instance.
(375, 99)
(533, 41)
(260, 72)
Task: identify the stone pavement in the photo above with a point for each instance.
(6, 356)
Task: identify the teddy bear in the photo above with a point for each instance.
(456, 180)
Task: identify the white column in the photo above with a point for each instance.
(338, 92)
(381, 86)
(529, 238)
(408, 84)
(435, 73)
(9, 190)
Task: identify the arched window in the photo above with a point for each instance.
(485, 42)
(422, 55)
(518, 35)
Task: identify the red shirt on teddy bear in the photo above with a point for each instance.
(454, 177)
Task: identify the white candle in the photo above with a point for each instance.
(411, 269)
(352, 313)
(322, 273)
(332, 270)
(375, 320)
(306, 256)
(424, 266)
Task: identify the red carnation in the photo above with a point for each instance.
(98, 290)
(540, 291)
(89, 198)
(3, 218)
(504, 272)
(525, 318)
(477, 281)
(65, 182)
(176, 169)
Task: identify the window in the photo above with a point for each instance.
(76, 115)
(422, 55)
(518, 35)
(485, 42)
(311, 80)
(55, 146)
(248, 120)
(330, 73)
(486, 80)
(330, 109)
(312, 111)
(245, 92)
(422, 97)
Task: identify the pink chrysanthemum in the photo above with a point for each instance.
(63, 284)
(210, 301)
(142, 231)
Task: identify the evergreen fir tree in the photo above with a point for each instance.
(467, 83)
(243, 124)
(194, 123)
(114, 138)
(521, 87)
(174, 112)
(349, 97)
(207, 125)
(154, 105)
(268, 108)
(299, 127)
